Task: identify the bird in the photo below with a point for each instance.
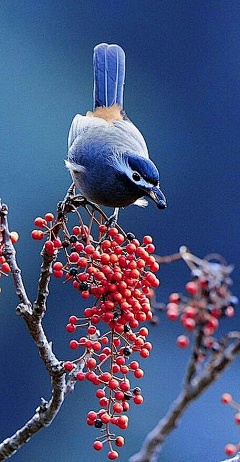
(107, 155)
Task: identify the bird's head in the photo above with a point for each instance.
(143, 175)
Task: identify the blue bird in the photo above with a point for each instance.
(107, 155)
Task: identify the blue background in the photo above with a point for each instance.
(182, 91)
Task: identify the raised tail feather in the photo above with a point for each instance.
(109, 74)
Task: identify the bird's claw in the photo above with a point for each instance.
(112, 220)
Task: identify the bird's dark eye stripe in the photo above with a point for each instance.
(136, 176)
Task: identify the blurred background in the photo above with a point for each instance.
(183, 92)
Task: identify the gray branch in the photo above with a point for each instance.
(234, 459)
(32, 315)
(153, 443)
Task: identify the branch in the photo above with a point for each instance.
(47, 411)
(154, 440)
(234, 459)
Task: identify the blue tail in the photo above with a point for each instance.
(109, 74)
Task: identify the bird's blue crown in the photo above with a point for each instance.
(145, 167)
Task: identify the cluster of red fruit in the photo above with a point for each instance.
(119, 272)
(226, 398)
(207, 301)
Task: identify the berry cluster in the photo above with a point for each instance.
(209, 299)
(226, 398)
(118, 272)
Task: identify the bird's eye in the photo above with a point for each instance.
(136, 176)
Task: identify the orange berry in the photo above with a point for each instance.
(14, 236)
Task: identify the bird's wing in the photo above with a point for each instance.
(129, 132)
(81, 124)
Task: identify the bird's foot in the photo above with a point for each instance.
(112, 220)
(70, 202)
(110, 223)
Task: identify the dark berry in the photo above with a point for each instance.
(98, 423)
(83, 286)
(127, 351)
(65, 244)
(73, 272)
(127, 328)
(73, 239)
(137, 390)
(130, 236)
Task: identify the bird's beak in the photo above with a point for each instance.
(158, 197)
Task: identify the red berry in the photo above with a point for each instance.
(119, 441)
(103, 401)
(37, 234)
(119, 395)
(80, 376)
(73, 319)
(74, 257)
(49, 217)
(188, 323)
(150, 248)
(106, 377)
(97, 346)
(144, 353)
(237, 418)
(98, 445)
(147, 240)
(131, 248)
(134, 365)
(82, 262)
(122, 421)
(91, 363)
(58, 266)
(92, 415)
(117, 407)
(113, 384)
(92, 330)
(89, 249)
(143, 331)
(105, 418)
(102, 228)
(71, 328)
(68, 366)
(85, 294)
(6, 268)
(183, 341)
(174, 298)
(76, 230)
(112, 455)
(73, 344)
(100, 393)
(172, 311)
(14, 236)
(138, 399)
(124, 370)
(138, 373)
(57, 243)
(120, 360)
(40, 222)
(230, 449)
(191, 287)
(112, 232)
(58, 274)
(226, 398)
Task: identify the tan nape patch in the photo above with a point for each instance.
(109, 114)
